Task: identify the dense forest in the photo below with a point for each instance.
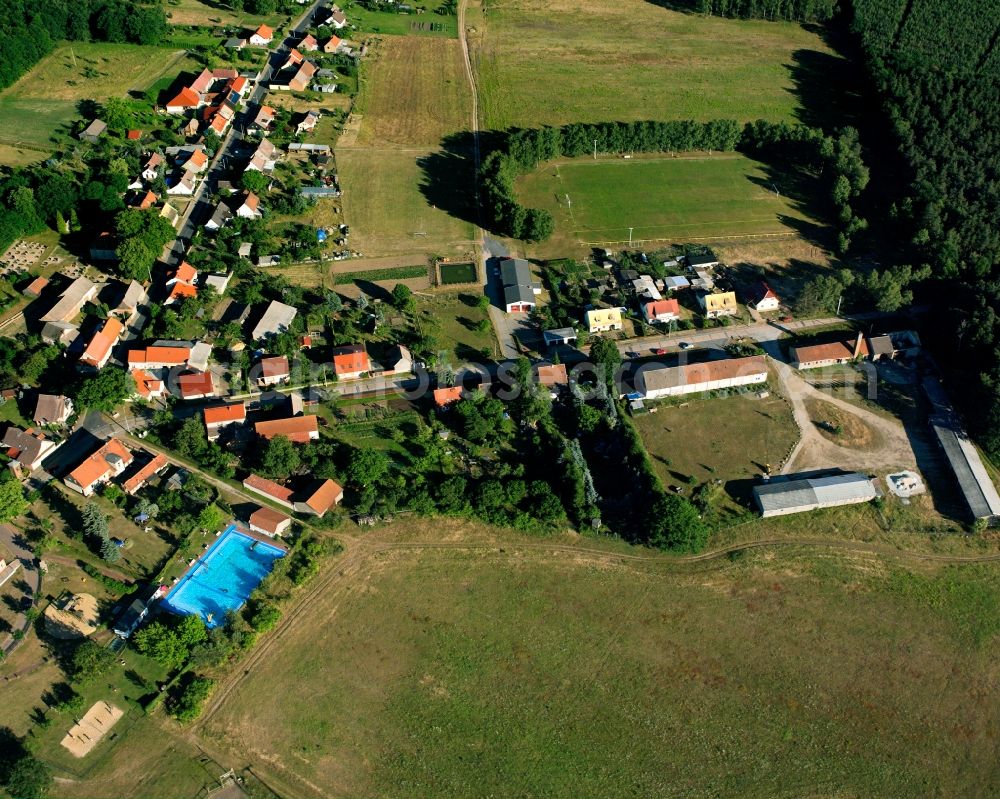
(792, 10)
(31, 28)
(936, 66)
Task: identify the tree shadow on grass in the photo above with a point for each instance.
(448, 175)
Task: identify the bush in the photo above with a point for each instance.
(186, 705)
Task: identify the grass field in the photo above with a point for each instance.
(543, 674)
(558, 61)
(428, 24)
(386, 210)
(195, 12)
(413, 92)
(458, 315)
(729, 438)
(671, 199)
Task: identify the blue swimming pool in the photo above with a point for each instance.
(222, 578)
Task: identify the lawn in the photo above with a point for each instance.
(659, 198)
(558, 61)
(457, 316)
(538, 674)
(723, 438)
(413, 92)
(387, 212)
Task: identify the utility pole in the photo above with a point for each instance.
(595, 149)
(630, 237)
(840, 299)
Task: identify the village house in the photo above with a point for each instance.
(601, 320)
(26, 449)
(277, 318)
(145, 474)
(181, 283)
(261, 37)
(705, 260)
(816, 356)
(399, 360)
(219, 417)
(270, 489)
(443, 397)
(269, 521)
(519, 287)
(264, 118)
(151, 169)
(98, 351)
(337, 19)
(308, 43)
(332, 45)
(147, 386)
(52, 409)
(181, 185)
(134, 296)
(294, 59)
(300, 80)
(273, 371)
(308, 123)
(318, 500)
(350, 362)
(762, 298)
(661, 311)
(110, 460)
(905, 343)
(722, 303)
(187, 99)
(235, 43)
(551, 375)
(142, 201)
(196, 385)
(659, 380)
(220, 216)
(249, 207)
(300, 429)
(265, 157)
(158, 357)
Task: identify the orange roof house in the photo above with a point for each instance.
(133, 135)
(144, 201)
(300, 429)
(196, 385)
(446, 396)
(111, 459)
(143, 476)
(99, 349)
(331, 44)
(221, 416)
(269, 521)
(262, 36)
(270, 489)
(183, 273)
(186, 98)
(350, 362)
(158, 357)
(661, 310)
(815, 356)
(321, 498)
(180, 291)
(147, 386)
(553, 374)
(273, 370)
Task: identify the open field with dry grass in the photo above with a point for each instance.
(195, 12)
(386, 210)
(521, 663)
(557, 61)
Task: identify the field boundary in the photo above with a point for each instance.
(744, 236)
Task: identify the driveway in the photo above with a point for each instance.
(13, 540)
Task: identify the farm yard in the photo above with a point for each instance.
(487, 684)
(659, 198)
(556, 61)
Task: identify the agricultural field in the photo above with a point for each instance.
(196, 12)
(558, 61)
(659, 198)
(522, 663)
(387, 211)
(413, 93)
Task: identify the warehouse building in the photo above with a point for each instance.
(784, 495)
(659, 380)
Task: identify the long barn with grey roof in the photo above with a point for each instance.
(781, 496)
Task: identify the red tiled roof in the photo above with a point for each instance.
(268, 488)
(274, 367)
(184, 272)
(326, 495)
(102, 342)
(195, 384)
(264, 32)
(167, 355)
(761, 291)
(186, 98)
(37, 285)
(350, 359)
(834, 351)
(145, 384)
(658, 307)
(269, 519)
(230, 412)
(295, 428)
(202, 82)
(137, 480)
(97, 466)
(446, 396)
(552, 374)
(133, 135)
(181, 290)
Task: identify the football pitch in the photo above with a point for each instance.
(661, 198)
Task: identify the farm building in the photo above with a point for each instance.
(519, 289)
(93, 132)
(71, 302)
(270, 489)
(301, 429)
(320, 498)
(600, 320)
(722, 303)
(269, 521)
(145, 474)
(905, 343)
(658, 380)
(98, 351)
(782, 496)
(277, 318)
(815, 356)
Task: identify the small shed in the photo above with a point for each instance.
(93, 132)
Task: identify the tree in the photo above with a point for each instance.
(191, 630)
(105, 391)
(367, 466)
(210, 518)
(402, 298)
(257, 182)
(12, 501)
(263, 615)
(94, 521)
(91, 660)
(280, 458)
(186, 705)
(605, 355)
(29, 778)
(119, 113)
(673, 523)
(110, 551)
(161, 643)
(190, 440)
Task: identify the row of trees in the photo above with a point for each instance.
(940, 85)
(522, 150)
(789, 10)
(31, 28)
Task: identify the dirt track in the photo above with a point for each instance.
(890, 451)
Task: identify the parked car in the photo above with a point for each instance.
(660, 351)
(685, 345)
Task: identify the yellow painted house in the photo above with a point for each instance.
(601, 319)
(720, 304)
